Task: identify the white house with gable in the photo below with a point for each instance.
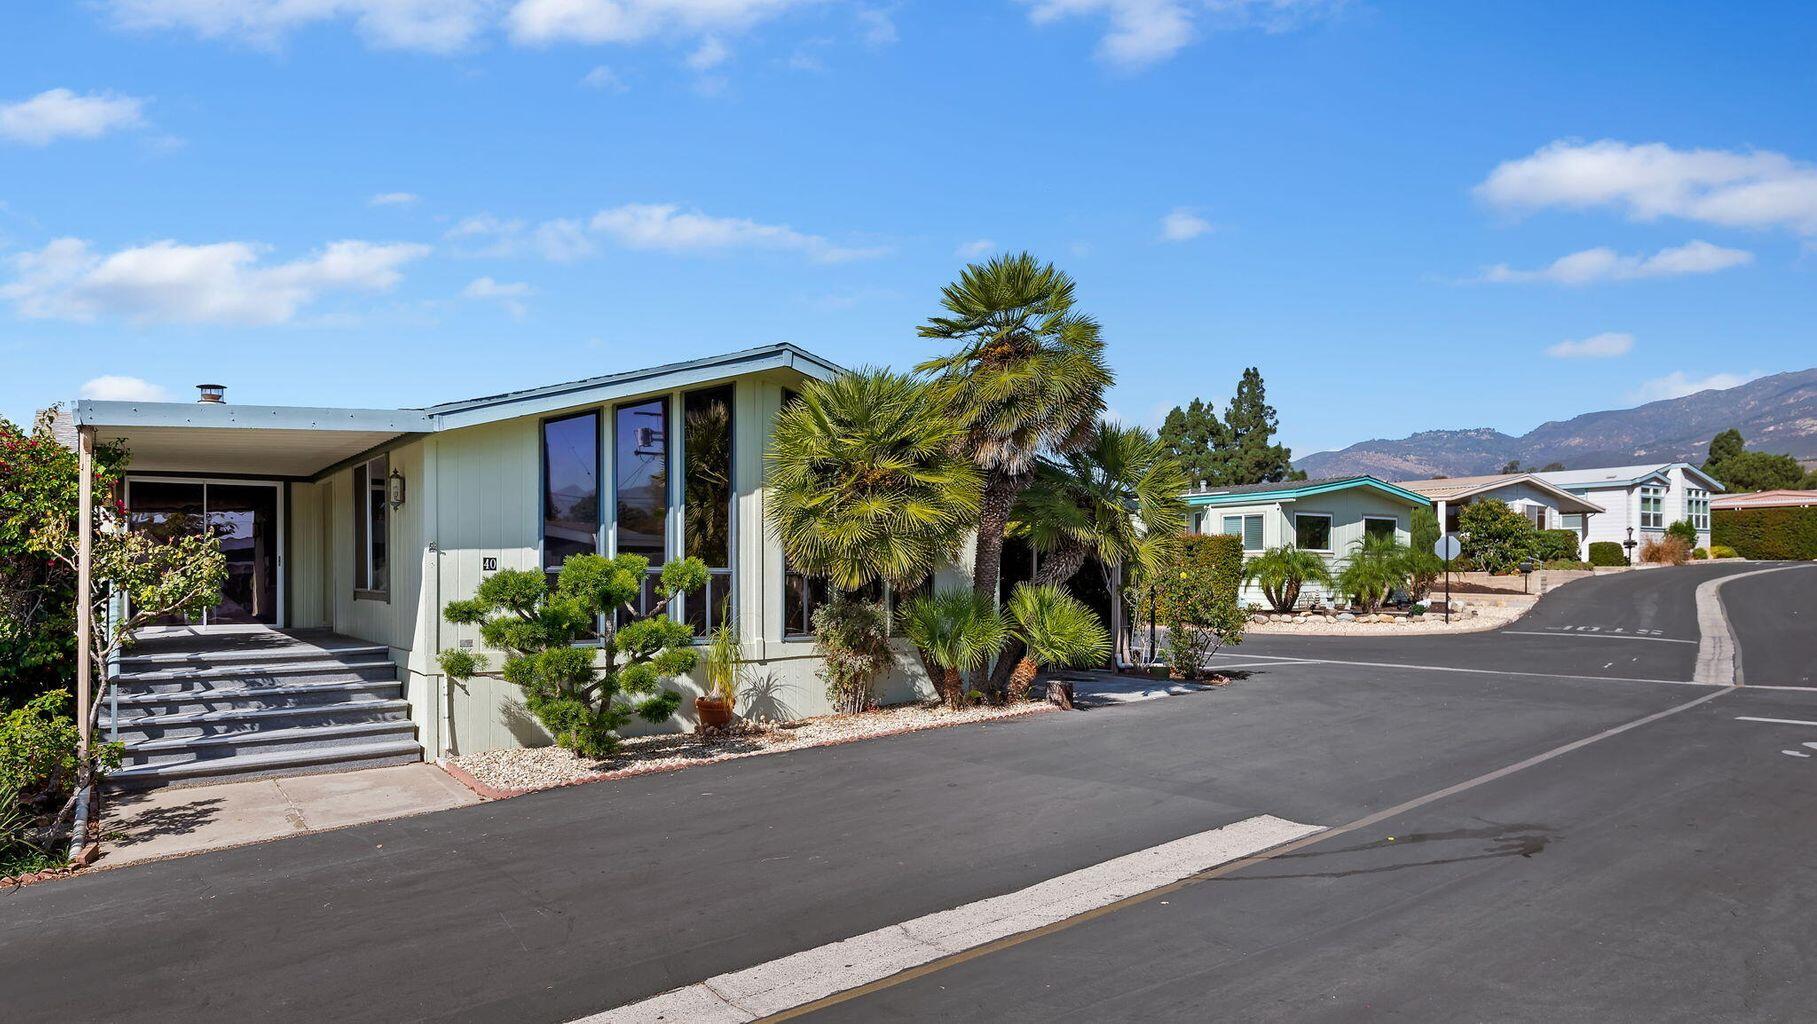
(1640, 501)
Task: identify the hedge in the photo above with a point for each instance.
(1769, 533)
(1607, 552)
(1553, 545)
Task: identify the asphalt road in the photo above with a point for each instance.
(1659, 873)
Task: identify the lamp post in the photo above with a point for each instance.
(1629, 544)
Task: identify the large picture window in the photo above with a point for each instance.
(707, 502)
(570, 489)
(371, 508)
(1312, 531)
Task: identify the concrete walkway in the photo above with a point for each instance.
(160, 823)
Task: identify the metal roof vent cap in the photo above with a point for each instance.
(211, 394)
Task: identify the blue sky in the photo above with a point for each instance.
(1409, 215)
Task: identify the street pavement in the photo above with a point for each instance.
(1659, 872)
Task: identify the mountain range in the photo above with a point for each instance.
(1775, 414)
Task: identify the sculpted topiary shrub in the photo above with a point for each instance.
(1607, 553)
(581, 683)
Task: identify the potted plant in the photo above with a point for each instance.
(721, 663)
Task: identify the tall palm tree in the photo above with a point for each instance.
(1027, 378)
(956, 631)
(866, 482)
(1114, 499)
(1055, 628)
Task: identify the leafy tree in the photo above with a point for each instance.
(1376, 568)
(1027, 379)
(1114, 500)
(1684, 530)
(1055, 628)
(1723, 447)
(1511, 466)
(1196, 586)
(956, 630)
(865, 482)
(1284, 571)
(1250, 424)
(1196, 437)
(1552, 467)
(1497, 536)
(580, 682)
(1424, 566)
(1758, 471)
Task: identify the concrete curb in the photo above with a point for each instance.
(492, 793)
(1718, 655)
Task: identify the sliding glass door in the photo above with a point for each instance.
(246, 517)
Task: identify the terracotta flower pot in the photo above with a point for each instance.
(713, 712)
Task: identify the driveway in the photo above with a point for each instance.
(1659, 870)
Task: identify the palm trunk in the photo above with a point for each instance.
(1000, 490)
(955, 689)
(1062, 565)
(1021, 680)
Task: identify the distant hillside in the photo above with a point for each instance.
(1775, 414)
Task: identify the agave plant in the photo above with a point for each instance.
(1055, 628)
(1284, 571)
(956, 630)
(1375, 568)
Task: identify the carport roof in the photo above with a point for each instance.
(1458, 488)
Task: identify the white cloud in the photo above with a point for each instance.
(167, 282)
(1606, 345)
(510, 294)
(1143, 32)
(61, 114)
(434, 26)
(559, 240)
(1755, 188)
(1605, 264)
(116, 388)
(1183, 225)
(710, 54)
(629, 21)
(393, 199)
(879, 27)
(1678, 384)
(604, 79)
(668, 228)
(975, 248)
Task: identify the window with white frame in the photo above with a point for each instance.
(1379, 526)
(1248, 527)
(1652, 508)
(1697, 508)
(1312, 531)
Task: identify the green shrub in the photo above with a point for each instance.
(1607, 553)
(38, 770)
(1699, 554)
(1283, 571)
(1685, 531)
(1721, 551)
(1499, 536)
(1553, 545)
(1566, 563)
(1768, 533)
(1196, 598)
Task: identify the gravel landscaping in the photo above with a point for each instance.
(524, 770)
(1475, 616)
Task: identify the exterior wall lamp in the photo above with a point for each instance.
(395, 489)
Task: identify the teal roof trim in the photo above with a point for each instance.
(1288, 492)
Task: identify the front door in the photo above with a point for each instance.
(245, 517)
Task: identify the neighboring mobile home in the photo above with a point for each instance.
(366, 522)
(1547, 506)
(1328, 516)
(1641, 501)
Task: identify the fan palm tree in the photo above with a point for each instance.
(1027, 378)
(1284, 571)
(956, 631)
(1114, 499)
(865, 483)
(1376, 567)
(1055, 628)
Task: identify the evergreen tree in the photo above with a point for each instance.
(1249, 426)
(1743, 470)
(1723, 447)
(1195, 437)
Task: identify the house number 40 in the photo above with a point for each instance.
(488, 565)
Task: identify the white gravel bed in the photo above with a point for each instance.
(545, 767)
(1477, 617)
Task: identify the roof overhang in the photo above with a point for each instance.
(1287, 493)
(1568, 503)
(618, 386)
(244, 440)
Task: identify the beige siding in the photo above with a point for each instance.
(305, 568)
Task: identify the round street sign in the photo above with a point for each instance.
(1447, 547)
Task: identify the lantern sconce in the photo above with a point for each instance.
(396, 489)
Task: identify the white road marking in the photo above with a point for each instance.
(1596, 636)
(813, 974)
(1772, 721)
(1718, 656)
(1491, 671)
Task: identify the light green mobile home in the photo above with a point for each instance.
(369, 521)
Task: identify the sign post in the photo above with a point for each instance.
(1447, 548)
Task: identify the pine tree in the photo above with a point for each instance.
(1249, 427)
(1195, 436)
(1723, 447)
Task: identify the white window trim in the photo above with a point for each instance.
(1392, 520)
(1330, 531)
(1659, 492)
(1243, 528)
